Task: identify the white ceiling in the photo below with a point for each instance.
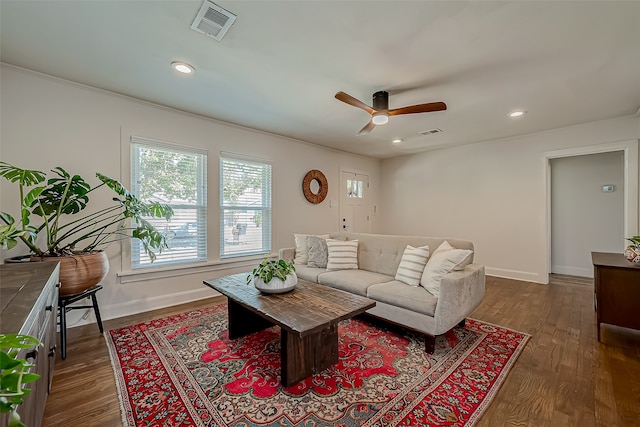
(281, 63)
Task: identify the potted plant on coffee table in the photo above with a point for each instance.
(54, 225)
(273, 276)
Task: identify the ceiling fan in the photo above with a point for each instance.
(380, 112)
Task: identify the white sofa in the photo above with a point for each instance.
(412, 307)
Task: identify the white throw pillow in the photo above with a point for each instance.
(302, 250)
(343, 255)
(412, 265)
(443, 261)
(446, 246)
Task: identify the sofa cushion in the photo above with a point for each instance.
(343, 255)
(382, 253)
(318, 253)
(301, 255)
(305, 272)
(412, 265)
(354, 281)
(396, 293)
(443, 261)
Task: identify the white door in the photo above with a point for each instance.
(354, 202)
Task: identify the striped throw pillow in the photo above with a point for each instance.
(412, 265)
(343, 255)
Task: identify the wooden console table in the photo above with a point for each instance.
(29, 303)
(617, 290)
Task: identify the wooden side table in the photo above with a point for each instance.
(616, 291)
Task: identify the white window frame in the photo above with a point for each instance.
(265, 208)
(201, 207)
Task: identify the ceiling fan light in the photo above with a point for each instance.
(380, 119)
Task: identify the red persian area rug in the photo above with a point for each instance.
(184, 370)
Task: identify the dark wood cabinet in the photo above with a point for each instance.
(617, 290)
(29, 303)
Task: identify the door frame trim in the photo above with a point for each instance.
(630, 150)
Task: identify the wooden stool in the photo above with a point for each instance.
(64, 307)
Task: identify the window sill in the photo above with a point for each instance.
(183, 269)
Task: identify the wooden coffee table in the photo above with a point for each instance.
(308, 318)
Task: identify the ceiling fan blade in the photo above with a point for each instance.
(367, 128)
(348, 99)
(420, 108)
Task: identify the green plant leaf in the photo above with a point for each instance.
(14, 420)
(29, 378)
(113, 184)
(32, 196)
(5, 406)
(24, 177)
(9, 382)
(8, 235)
(13, 373)
(17, 341)
(635, 240)
(7, 362)
(66, 194)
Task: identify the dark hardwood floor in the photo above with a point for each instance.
(564, 377)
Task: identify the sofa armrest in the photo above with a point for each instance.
(460, 293)
(287, 254)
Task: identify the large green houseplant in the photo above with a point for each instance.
(54, 224)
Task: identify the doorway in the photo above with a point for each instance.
(587, 210)
(354, 202)
(630, 188)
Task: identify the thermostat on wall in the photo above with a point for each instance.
(607, 188)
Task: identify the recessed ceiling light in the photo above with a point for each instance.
(517, 113)
(397, 141)
(183, 67)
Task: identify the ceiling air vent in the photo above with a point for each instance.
(213, 21)
(430, 132)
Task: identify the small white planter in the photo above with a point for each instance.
(632, 253)
(276, 285)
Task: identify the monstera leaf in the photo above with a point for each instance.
(65, 194)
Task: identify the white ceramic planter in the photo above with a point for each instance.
(632, 253)
(276, 285)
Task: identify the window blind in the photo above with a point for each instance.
(175, 176)
(245, 207)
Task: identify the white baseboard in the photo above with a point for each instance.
(517, 275)
(572, 271)
(140, 306)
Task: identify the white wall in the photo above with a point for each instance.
(48, 122)
(492, 193)
(583, 217)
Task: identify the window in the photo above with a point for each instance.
(175, 176)
(245, 207)
(355, 188)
